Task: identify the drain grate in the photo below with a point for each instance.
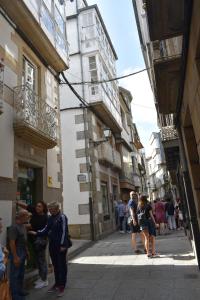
(191, 276)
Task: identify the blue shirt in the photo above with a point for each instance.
(121, 210)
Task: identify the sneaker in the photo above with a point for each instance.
(61, 291)
(42, 284)
(38, 281)
(54, 288)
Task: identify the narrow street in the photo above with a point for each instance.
(109, 270)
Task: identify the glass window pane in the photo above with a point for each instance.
(46, 19)
(48, 4)
(60, 42)
(59, 21)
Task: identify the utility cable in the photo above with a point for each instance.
(120, 77)
(106, 80)
(83, 101)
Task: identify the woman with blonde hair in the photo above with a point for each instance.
(147, 225)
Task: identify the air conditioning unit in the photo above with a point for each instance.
(1, 107)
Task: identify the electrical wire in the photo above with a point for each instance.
(83, 101)
(107, 80)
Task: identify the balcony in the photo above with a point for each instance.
(117, 160)
(108, 156)
(105, 114)
(126, 181)
(35, 121)
(165, 18)
(166, 57)
(170, 143)
(39, 28)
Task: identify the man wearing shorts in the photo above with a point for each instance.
(135, 228)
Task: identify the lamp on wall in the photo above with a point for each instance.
(106, 136)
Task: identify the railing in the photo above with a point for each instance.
(107, 154)
(169, 48)
(169, 133)
(35, 112)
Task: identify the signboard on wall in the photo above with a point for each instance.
(81, 178)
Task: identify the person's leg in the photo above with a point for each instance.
(133, 241)
(42, 264)
(121, 219)
(16, 279)
(153, 244)
(173, 222)
(53, 254)
(170, 222)
(62, 268)
(146, 240)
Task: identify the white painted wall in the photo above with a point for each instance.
(71, 190)
(6, 142)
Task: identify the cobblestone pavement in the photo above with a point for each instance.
(110, 271)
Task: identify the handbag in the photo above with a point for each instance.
(129, 220)
(5, 288)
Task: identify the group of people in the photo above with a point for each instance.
(42, 225)
(139, 216)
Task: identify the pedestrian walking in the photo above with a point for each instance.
(133, 221)
(170, 212)
(17, 240)
(121, 213)
(57, 232)
(37, 222)
(126, 216)
(160, 216)
(147, 225)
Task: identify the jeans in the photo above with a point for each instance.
(59, 261)
(121, 220)
(40, 257)
(17, 275)
(171, 222)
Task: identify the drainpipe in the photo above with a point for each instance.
(87, 148)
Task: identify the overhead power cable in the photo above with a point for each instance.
(106, 80)
(83, 101)
(120, 77)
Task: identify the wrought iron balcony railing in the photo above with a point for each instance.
(169, 133)
(33, 111)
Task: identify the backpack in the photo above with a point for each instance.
(141, 214)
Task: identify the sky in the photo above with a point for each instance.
(118, 16)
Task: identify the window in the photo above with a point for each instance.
(59, 21)
(105, 201)
(47, 20)
(94, 90)
(92, 63)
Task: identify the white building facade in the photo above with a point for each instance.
(33, 51)
(90, 167)
(157, 173)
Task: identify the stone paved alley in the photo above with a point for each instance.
(110, 271)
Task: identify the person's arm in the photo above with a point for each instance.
(133, 214)
(21, 204)
(152, 216)
(13, 250)
(63, 242)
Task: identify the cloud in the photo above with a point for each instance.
(143, 108)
